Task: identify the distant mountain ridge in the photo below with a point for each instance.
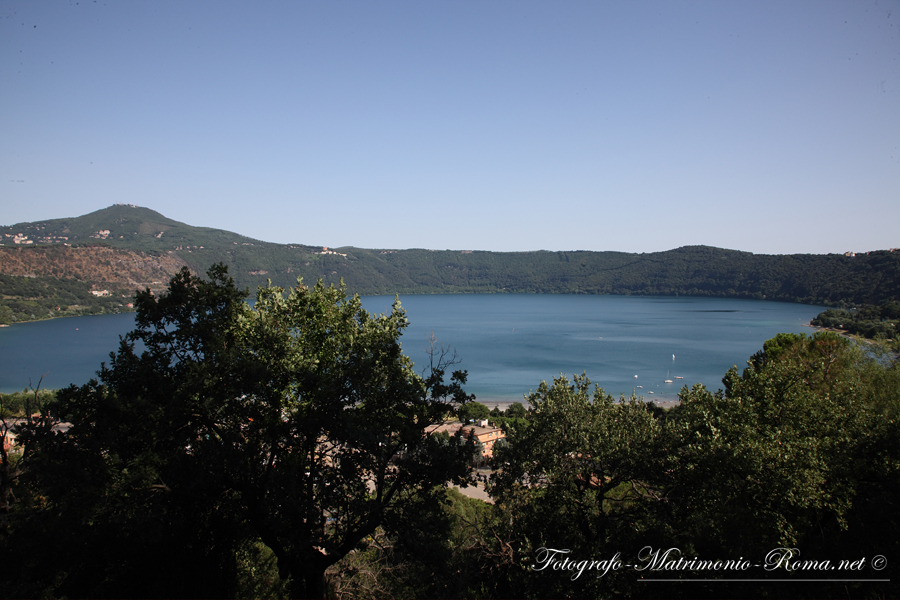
(149, 239)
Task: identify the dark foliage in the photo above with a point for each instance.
(298, 424)
(866, 321)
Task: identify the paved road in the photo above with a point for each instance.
(476, 492)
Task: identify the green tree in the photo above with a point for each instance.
(349, 418)
(798, 451)
(577, 476)
(474, 411)
(435, 554)
(298, 422)
(516, 411)
(795, 452)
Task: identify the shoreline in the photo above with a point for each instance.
(667, 400)
(100, 314)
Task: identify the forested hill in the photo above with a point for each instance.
(870, 278)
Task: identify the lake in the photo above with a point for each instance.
(507, 342)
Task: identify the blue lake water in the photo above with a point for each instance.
(507, 342)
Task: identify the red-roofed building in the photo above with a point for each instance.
(486, 435)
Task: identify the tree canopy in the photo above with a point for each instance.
(298, 422)
(799, 451)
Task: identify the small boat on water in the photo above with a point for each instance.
(677, 377)
(668, 381)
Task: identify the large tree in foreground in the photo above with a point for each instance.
(298, 421)
(581, 474)
(798, 451)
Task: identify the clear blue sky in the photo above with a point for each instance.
(771, 127)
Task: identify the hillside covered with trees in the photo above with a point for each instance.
(866, 321)
(84, 249)
(58, 281)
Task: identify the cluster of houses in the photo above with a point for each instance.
(325, 250)
(18, 238)
(22, 238)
